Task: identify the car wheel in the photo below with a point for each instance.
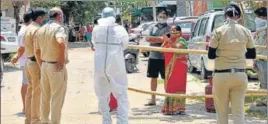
(130, 64)
(204, 72)
(191, 69)
(146, 54)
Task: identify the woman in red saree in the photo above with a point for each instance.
(176, 72)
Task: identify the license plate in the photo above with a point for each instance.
(11, 39)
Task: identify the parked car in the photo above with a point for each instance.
(202, 33)
(142, 40)
(186, 24)
(131, 56)
(9, 42)
(140, 28)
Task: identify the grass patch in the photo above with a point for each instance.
(202, 100)
(255, 99)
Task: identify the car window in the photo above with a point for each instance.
(249, 24)
(218, 21)
(184, 24)
(196, 28)
(203, 26)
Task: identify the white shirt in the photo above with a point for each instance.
(23, 59)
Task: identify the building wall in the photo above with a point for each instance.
(199, 7)
(7, 9)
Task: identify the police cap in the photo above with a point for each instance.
(232, 10)
(261, 11)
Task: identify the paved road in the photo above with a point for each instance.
(80, 105)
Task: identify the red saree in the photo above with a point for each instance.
(176, 77)
(113, 103)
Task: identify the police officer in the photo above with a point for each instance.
(51, 53)
(32, 104)
(230, 46)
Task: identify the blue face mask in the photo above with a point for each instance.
(260, 22)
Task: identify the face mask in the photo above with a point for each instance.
(45, 21)
(161, 21)
(260, 22)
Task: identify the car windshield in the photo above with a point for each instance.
(250, 24)
(185, 26)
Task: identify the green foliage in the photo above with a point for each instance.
(46, 5)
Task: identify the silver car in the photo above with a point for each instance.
(202, 34)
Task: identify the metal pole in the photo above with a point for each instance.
(267, 63)
(154, 10)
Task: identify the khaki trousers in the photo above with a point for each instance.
(32, 102)
(230, 87)
(53, 88)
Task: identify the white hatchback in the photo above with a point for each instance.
(9, 41)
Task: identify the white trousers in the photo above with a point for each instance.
(103, 90)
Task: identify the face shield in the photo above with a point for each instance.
(108, 17)
(108, 12)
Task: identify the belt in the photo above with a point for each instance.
(234, 70)
(32, 58)
(49, 62)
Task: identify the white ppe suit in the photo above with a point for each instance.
(110, 40)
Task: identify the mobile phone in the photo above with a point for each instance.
(168, 35)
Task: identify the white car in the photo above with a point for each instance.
(202, 33)
(9, 41)
(140, 28)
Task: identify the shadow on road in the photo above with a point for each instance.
(20, 114)
(194, 111)
(10, 68)
(73, 45)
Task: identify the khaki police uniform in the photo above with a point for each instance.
(32, 102)
(231, 41)
(53, 81)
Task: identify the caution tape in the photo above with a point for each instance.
(249, 94)
(182, 51)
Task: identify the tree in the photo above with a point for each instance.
(17, 5)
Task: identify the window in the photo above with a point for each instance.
(203, 26)
(184, 24)
(219, 20)
(196, 28)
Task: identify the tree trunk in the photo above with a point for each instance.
(17, 6)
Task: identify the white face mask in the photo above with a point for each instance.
(161, 21)
(260, 22)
